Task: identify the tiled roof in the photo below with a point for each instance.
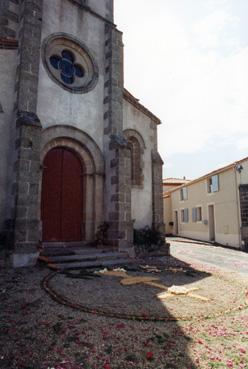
(210, 174)
(175, 181)
(8, 43)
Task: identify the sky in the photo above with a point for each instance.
(187, 61)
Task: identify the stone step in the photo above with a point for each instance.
(58, 251)
(85, 257)
(89, 264)
(63, 244)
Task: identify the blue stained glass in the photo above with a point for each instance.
(79, 70)
(67, 68)
(68, 55)
(67, 80)
(55, 60)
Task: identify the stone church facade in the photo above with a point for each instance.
(77, 150)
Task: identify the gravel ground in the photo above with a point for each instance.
(37, 332)
(107, 294)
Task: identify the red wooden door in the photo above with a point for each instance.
(62, 196)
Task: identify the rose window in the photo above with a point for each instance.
(69, 63)
(67, 66)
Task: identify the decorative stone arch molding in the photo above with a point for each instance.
(137, 146)
(92, 159)
(133, 133)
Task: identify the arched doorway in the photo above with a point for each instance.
(62, 196)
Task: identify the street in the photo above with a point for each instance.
(206, 254)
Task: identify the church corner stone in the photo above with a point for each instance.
(28, 177)
(157, 190)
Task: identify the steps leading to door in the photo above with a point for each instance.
(61, 258)
(89, 264)
(83, 257)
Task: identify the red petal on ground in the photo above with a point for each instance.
(120, 326)
(149, 355)
(229, 364)
(106, 366)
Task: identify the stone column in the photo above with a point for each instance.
(99, 193)
(27, 223)
(26, 172)
(157, 192)
(89, 206)
(117, 170)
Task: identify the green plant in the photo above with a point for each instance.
(148, 238)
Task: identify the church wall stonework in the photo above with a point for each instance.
(9, 18)
(8, 63)
(42, 109)
(142, 196)
(28, 136)
(116, 151)
(21, 228)
(55, 105)
(103, 8)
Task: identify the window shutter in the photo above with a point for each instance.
(186, 215)
(194, 214)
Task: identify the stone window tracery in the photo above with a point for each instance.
(67, 66)
(69, 63)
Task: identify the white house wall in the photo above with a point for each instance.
(167, 215)
(226, 210)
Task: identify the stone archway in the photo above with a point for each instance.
(137, 146)
(62, 196)
(92, 161)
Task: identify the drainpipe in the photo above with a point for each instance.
(238, 204)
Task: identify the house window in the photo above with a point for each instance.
(136, 171)
(213, 184)
(185, 215)
(197, 214)
(184, 193)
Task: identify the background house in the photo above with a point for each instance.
(211, 208)
(168, 185)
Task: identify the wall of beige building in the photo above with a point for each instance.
(142, 195)
(168, 215)
(226, 208)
